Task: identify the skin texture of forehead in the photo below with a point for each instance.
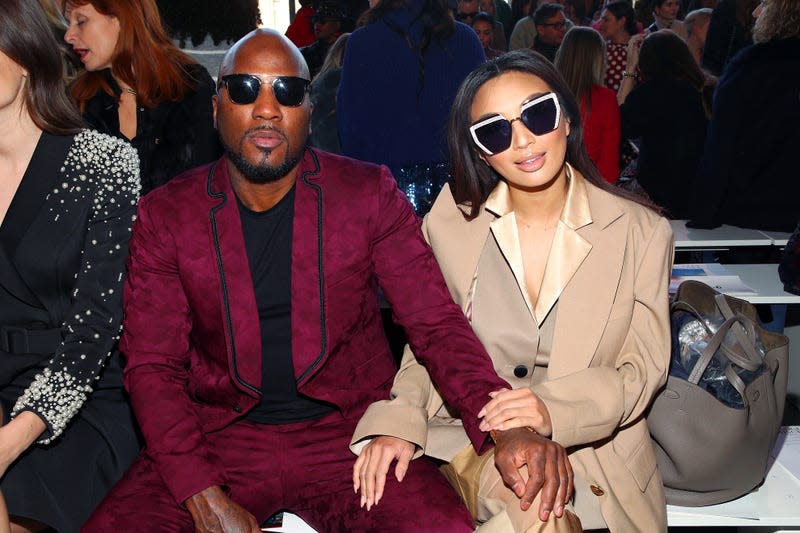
(269, 43)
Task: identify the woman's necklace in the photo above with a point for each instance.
(129, 90)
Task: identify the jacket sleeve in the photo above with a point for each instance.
(156, 342)
(412, 401)
(589, 405)
(92, 326)
(439, 334)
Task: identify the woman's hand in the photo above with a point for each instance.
(634, 46)
(17, 436)
(372, 465)
(516, 409)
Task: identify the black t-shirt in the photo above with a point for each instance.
(268, 239)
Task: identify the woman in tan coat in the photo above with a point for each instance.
(564, 279)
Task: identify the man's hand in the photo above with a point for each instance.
(214, 512)
(372, 465)
(549, 470)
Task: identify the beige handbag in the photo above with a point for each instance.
(709, 452)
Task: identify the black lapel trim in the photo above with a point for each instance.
(41, 176)
(320, 268)
(225, 294)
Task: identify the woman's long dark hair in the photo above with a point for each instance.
(27, 39)
(624, 9)
(473, 178)
(437, 24)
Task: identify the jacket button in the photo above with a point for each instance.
(597, 491)
(158, 140)
(237, 408)
(521, 371)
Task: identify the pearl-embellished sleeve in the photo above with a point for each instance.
(101, 176)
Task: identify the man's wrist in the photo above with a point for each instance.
(493, 433)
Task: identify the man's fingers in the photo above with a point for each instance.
(508, 471)
(549, 482)
(562, 496)
(535, 484)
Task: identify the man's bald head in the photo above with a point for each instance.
(268, 42)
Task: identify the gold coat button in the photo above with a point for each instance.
(597, 491)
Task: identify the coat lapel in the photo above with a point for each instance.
(458, 257)
(598, 248)
(240, 312)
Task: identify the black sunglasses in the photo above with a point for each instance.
(540, 116)
(244, 88)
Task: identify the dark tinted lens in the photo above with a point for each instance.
(540, 118)
(242, 89)
(289, 91)
(495, 136)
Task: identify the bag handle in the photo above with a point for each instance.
(744, 333)
(713, 345)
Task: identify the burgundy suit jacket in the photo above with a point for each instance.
(191, 330)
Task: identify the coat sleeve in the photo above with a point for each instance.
(439, 334)
(92, 326)
(156, 342)
(589, 405)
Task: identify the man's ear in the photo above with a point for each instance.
(214, 104)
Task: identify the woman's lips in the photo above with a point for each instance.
(531, 163)
(82, 52)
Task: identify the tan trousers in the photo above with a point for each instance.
(496, 508)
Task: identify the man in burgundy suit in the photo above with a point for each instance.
(253, 333)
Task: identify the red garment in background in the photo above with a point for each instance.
(601, 131)
(301, 31)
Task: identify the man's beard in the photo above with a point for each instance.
(262, 172)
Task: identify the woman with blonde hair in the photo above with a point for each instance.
(749, 168)
(138, 86)
(581, 60)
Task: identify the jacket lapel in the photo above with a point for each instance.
(309, 324)
(458, 257)
(240, 313)
(603, 243)
(41, 177)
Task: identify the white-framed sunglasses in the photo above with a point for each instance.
(540, 115)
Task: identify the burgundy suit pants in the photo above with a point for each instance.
(305, 468)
